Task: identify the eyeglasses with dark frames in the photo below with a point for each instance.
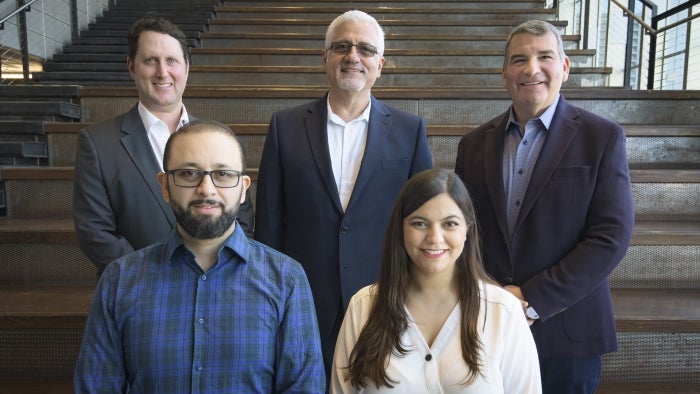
(189, 177)
(344, 47)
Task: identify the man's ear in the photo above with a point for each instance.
(245, 183)
(130, 65)
(162, 179)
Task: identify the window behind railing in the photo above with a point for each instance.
(635, 36)
(38, 32)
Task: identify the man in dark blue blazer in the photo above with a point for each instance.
(550, 183)
(118, 205)
(330, 171)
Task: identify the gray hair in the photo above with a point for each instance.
(537, 28)
(355, 16)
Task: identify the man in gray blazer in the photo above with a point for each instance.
(331, 169)
(118, 206)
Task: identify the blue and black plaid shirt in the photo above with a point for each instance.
(159, 324)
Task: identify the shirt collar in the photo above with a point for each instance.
(148, 119)
(545, 118)
(235, 245)
(337, 120)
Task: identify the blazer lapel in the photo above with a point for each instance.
(561, 132)
(315, 122)
(377, 132)
(493, 171)
(137, 146)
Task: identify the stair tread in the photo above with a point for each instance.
(647, 388)
(66, 173)
(403, 92)
(37, 229)
(659, 130)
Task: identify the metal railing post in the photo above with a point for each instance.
(74, 27)
(23, 40)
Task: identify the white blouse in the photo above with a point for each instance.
(508, 352)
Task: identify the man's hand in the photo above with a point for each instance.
(515, 290)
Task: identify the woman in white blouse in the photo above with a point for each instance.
(434, 322)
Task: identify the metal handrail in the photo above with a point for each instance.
(649, 28)
(15, 12)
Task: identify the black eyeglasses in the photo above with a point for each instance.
(188, 177)
(344, 47)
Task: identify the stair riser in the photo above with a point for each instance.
(435, 111)
(653, 201)
(643, 357)
(393, 3)
(677, 152)
(387, 79)
(427, 43)
(644, 266)
(95, 63)
(45, 264)
(320, 29)
(391, 60)
(658, 267)
(654, 358)
(452, 15)
(39, 353)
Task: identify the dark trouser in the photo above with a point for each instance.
(575, 375)
(328, 345)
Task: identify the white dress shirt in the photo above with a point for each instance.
(346, 144)
(157, 130)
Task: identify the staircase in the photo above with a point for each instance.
(443, 62)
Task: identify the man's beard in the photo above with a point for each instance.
(204, 227)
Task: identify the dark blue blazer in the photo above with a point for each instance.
(573, 229)
(298, 210)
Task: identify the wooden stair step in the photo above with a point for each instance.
(39, 386)
(378, 11)
(648, 388)
(41, 108)
(631, 130)
(61, 230)
(636, 310)
(50, 307)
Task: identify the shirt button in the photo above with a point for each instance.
(344, 230)
(199, 367)
(520, 171)
(201, 321)
(428, 357)
(204, 277)
(524, 142)
(517, 203)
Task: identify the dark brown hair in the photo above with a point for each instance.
(158, 25)
(201, 126)
(387, 320)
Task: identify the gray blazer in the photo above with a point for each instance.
(118, 206)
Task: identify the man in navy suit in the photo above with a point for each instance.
(551, 186)
(118, 206)
(330, 171)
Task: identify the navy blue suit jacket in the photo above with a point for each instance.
(298, 210)
(573, 229)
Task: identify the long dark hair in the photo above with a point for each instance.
(381, 335)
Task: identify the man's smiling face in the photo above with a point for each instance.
(533, 73)
(160, 71)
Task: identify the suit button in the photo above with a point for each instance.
(344, 230)
(508, 279)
